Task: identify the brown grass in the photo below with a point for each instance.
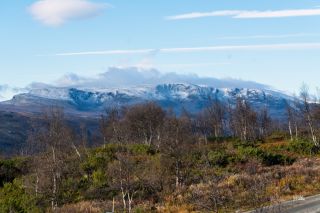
(83, 207)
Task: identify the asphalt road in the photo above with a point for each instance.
(309, 205)
(301, 205)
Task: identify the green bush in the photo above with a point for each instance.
(303, 147)
(70, 192)
(271, 159)
(238, 143)
(218, 158)
(267, 158)
(99, 178)
(245, 153)
(141, 149)
(14, 198)
(11, 169)
(100, 157)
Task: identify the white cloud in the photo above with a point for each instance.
(119, 77)
(70, 79)
(194, 15)
(7, 92)
(286, 46)
(57, 12)
(191, 65)
(247, 14)
(297, 35)
(109, 52)
(279, 13)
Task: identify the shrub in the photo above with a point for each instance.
(100, 157)
(71, 190)
(10, 169)
(141, 149)
(271, 159)
(238, 143)
(14, 198)
(99, 178)
(245, 153)
(218, 158)
(267, 158)
(303, 147)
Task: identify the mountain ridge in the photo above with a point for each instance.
(175, 95)
(86, 105)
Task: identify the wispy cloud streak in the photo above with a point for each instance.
(108, 52)
(287, 46)
(297, 35)
(249, 14)
(190, 65)
(195, 15)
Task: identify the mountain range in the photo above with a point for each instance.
(84, 100)
(90, 96)
(92, 102)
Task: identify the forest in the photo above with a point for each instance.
(229, 157)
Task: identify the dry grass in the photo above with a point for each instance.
(84, 207)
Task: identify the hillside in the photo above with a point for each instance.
(92, 102)
(15, 128)
(86, 106)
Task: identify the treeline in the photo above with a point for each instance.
(149, 124)
(154, 160)
(146, 123)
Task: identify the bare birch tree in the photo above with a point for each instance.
(243, 120)
(55, 144)
(306, 109)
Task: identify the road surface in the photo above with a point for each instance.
(300, 205)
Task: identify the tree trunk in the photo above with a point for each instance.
(124, 194)
(205, 139)
(290, 131)
(130, 199)
(37, 185)
(314, 137)
(177, 175)
(54, 179)
(245, 133)
(54, 192)
(123, 198)
(76, 150)
(113, 205)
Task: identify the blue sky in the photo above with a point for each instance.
(272, 42)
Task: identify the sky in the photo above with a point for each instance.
(271, 42)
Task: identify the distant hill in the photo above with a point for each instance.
(92, 102)
(85, 106)
(15, 128)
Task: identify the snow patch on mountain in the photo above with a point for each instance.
(128, 86)
(189, 96)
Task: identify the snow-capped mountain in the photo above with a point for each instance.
(191, 97)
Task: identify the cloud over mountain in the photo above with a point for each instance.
(7, 92)
(134, 76)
